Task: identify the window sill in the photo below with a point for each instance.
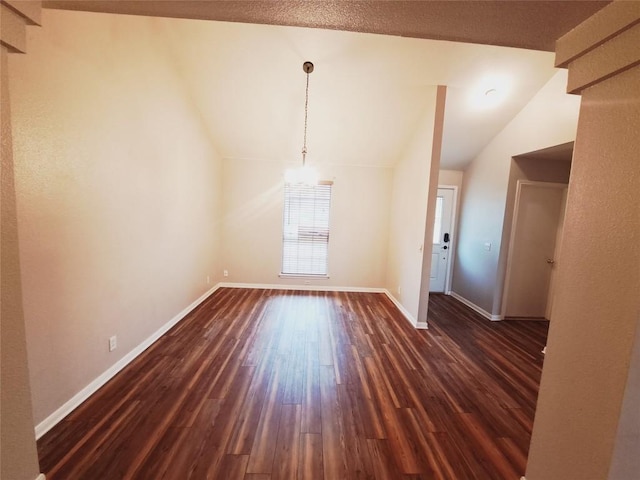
(302, 275)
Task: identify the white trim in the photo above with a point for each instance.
(75, 401)
(304, 275)
(324, 288)
(284, 286)
(473, 306)
(452, 233)
(41, 477)
(414, 323)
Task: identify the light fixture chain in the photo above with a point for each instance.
(306, 112)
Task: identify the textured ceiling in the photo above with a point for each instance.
(523, 24)
(369, 92)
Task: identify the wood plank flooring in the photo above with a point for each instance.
(268, 385)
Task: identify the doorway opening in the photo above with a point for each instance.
(443, 240)
(533, 231)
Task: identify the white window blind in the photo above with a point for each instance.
(305, 232)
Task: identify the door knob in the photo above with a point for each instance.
(550, 261)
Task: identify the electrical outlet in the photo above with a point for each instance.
(113, 343)
(208, 279)
(225, 273)
(399, 289)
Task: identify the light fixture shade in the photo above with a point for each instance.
(306, 175)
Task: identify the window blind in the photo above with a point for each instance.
(305, 232)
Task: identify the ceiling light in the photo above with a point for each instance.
(305, 174)
(491, 98)
(489, 91)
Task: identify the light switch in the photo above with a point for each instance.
(487, 246)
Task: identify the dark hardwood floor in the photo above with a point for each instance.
(268, 384)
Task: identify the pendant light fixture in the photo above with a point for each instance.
(305, 174)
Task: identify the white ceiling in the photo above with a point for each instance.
(368, 92)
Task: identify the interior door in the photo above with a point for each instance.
(556, 255)
(536, 222)
(441, 240)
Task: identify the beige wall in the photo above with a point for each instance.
(549, 119)
(595, 314)
(539, 170)
(18, 456)
(625, 464)
(408, 214)
(432, 195)
(450, 177)
(118, 191)
(252, 234)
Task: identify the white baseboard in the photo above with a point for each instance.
(473, 306)
(317, 288)
(414, 323)
(324, 288)
(41, 477)
(75, 401)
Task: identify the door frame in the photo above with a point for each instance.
(557, 253)
(452, 234)
(512, 234)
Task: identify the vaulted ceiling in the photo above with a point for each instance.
(368, 92)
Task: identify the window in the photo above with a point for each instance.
(437, 224)
(305, 231)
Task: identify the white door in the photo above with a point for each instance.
(556, 255)
(535, 231)
(440, 258)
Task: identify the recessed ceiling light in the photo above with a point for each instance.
(489, 92)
